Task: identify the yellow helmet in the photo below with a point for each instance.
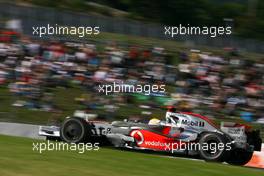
(154, 121)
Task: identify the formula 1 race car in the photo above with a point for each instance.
(180, 132)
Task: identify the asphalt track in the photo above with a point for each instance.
(19, 129)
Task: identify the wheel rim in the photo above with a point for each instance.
(72, 131)
(210, 151)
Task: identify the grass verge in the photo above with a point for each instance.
(18, 159)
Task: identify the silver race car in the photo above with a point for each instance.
(180, 132)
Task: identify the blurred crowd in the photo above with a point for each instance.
(218, 86)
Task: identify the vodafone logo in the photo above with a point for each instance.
(138, 136)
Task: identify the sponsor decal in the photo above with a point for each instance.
(157, 143)
(138, 136)
(192, 123)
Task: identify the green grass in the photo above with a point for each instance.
(18, 159)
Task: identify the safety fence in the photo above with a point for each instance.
(38, 16)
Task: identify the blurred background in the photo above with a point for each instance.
(43, 80)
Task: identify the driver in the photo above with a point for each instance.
(154, 121)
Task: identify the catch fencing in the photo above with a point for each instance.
(38, 16)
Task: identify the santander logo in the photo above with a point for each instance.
(138, 136)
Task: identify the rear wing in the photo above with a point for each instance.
(236, 131)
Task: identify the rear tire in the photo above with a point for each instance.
(213, 152)
(239, 157)
(74, 130)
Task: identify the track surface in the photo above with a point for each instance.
(18, 129)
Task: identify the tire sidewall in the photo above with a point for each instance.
(239, 157)
(218, 138)
(83, 126)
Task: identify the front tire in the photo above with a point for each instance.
(74, 130)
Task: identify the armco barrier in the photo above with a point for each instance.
(257, 159)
